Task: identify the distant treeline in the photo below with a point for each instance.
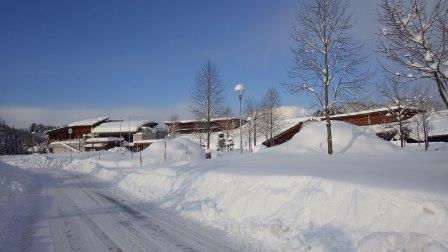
(21, 141)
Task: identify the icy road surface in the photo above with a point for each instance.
(69, 212)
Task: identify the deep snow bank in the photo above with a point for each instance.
(178, 149)
(295, 202)
(347, 138)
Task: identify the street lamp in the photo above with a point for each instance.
(239, 90)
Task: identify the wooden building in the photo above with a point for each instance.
(361, 118)
(79, 128)
(101, 133)
(199, 126)
(136, 135)
(102, 143)
(375, 116)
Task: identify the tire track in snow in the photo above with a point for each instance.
(71, 231)
(166, 230)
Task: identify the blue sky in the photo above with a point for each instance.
(109, 55)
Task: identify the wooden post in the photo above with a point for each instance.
(140, 152)
(164, 153)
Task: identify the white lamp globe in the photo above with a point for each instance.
(239, 89)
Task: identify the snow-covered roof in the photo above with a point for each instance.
(104, 139)
(202, 120)
(439, 123)
(122, 126)
(87, 122)
(378, 128)
(145, 141)
(370, 111)
(289, 123)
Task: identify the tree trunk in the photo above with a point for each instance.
(425, 133)
(327, 119)
(329, 138)
(207, 128)
(255, 134)
(326, 86)
(418, 134)
(400, 129)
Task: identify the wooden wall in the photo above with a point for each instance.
(62, 133)
(199, 126)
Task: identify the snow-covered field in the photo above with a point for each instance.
(370, 196)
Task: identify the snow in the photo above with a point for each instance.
(15, 187)
(384, 109)
(439, 123)
(87, 122)
(104, 139)
(178, 149)
(199, 120)
(291, 112)
(434, 65)
(66, 211)
(428, 56)
(347, 138)
(418, 38)
(121, 150)
(120, 126)
(368, 196)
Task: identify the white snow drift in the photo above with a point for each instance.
(368, 197)
(347, 138)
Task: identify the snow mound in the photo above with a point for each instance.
(347, 138)
(178, 149)
(120, 150)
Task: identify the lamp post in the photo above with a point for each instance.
(239, 90)
(70, 132)
(249, 119)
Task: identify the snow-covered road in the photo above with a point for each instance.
(71, 212)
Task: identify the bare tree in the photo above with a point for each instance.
(227, 125)
(199, 134)
(326, 58)
(423, 102)
(252, 110)
(414, 35)
(270, 117)
(208, 96)
(174, 127)
(397, 95)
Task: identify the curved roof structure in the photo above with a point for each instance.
(88, 122)
(123, 126)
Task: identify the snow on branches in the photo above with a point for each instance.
(414, 35)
